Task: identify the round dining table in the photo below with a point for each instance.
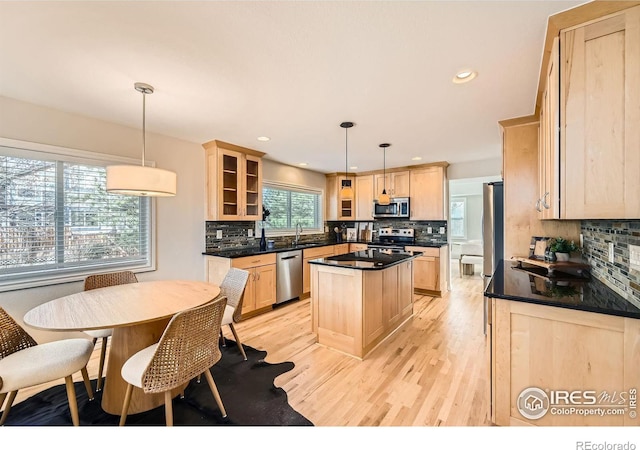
(138, 314)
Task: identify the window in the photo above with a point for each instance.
(58, 223)
(291, 205)
(457, 223)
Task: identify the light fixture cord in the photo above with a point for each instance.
(346, 152)
(384, 170)
(144, 130)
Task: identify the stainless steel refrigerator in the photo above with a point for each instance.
(492, 234)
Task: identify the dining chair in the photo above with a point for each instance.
(25, 363)
(184, 351)
(100, 281)
(232, 287)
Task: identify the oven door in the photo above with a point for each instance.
(390, 210)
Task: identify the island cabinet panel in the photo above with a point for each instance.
(374, 323)
(600, 113)
(307, 255)
(557, 349)
(405, 296)
(390, 310)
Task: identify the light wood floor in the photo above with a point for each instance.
(431, 372)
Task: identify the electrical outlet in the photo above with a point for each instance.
(442, 230)
(326, 229)
(634, 257)
(219, 234)
(611, 256)
(581, 240)
(250, 232)
(429, 230)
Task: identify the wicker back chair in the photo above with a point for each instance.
(233, 287)
(184, 351)
(99, 281)
(25, 363)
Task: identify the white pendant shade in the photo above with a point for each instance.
(141, 181)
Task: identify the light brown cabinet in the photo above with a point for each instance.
(356, 247)
(338, 208)
(307, 255)
(553, 348)
(364, 197)
(397, 183)
(260, 292)
(233, 182)
(431, 270)
(427, 193)
(600, 117)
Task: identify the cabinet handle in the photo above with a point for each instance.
(538, 206)
(258, 275)
(544, 201)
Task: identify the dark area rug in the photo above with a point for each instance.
(246, 388)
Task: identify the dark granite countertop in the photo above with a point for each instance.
(509, 282)
(240, 252)
(372, 259)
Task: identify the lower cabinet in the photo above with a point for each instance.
(260, 292)
(430, 271)
(341, 249)
(309, 254)
(355, 247)
(553, 366)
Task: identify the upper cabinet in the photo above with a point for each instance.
(364, 197)
(428, 192)
(600, 118)
(395, 183)
(234, 182)
(338, 208)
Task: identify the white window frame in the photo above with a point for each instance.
(25, 149)
(463, 199)
(292, 231)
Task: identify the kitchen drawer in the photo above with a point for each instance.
(254, 261)
(426, 251)
(317, 252)
(340, 249)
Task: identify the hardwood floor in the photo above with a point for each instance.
(431, 372)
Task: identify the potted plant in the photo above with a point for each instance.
(562, 248)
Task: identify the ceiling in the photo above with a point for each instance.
(290, 70)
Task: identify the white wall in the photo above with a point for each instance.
(180, 219)
(491, 167)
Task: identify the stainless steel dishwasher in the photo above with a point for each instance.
(288, 275)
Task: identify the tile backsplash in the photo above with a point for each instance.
(597, 234)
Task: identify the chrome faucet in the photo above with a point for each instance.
(298, 231)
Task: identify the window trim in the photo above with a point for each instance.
(292, 231)
(457, 198)
(50, 277)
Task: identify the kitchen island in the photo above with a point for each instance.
(360, 298)
(563, 350)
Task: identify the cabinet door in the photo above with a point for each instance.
(340, 249)
(346, 206)
(230, 185)
(600, 113)
(390, 308)
(405, 287)
(265, 286)
(364, 197)
(426, 272)
(331, 200)
(427, 194)
(382, 182)
(357, 247)
(252, 205)
(400, 184)
(550, 165)
(249, 301)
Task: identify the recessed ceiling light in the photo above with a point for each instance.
(353, 167)
(465, 75)
(264, 138)
(416, 158)
(303, 164)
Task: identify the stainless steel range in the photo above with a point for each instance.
(393, 238)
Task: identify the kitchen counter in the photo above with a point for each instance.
(239, 252)
(565, 291)
(371, 259)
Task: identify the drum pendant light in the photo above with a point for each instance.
(383, 199)
(346, 191)
(141, 180)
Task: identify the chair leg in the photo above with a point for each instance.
(87, 383)
(73, 403)
(125, 404)
(224, 343)
(214, 391)
(103, 354)
(168, 408)
(7, 406)
(235, 335)
(2, 397)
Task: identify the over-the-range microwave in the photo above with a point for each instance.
(397, 208)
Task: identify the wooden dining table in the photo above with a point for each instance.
(138, 314)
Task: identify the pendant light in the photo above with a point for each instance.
(346, 191)
(141, 180)
(383, 199)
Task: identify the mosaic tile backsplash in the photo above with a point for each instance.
(596, 235)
